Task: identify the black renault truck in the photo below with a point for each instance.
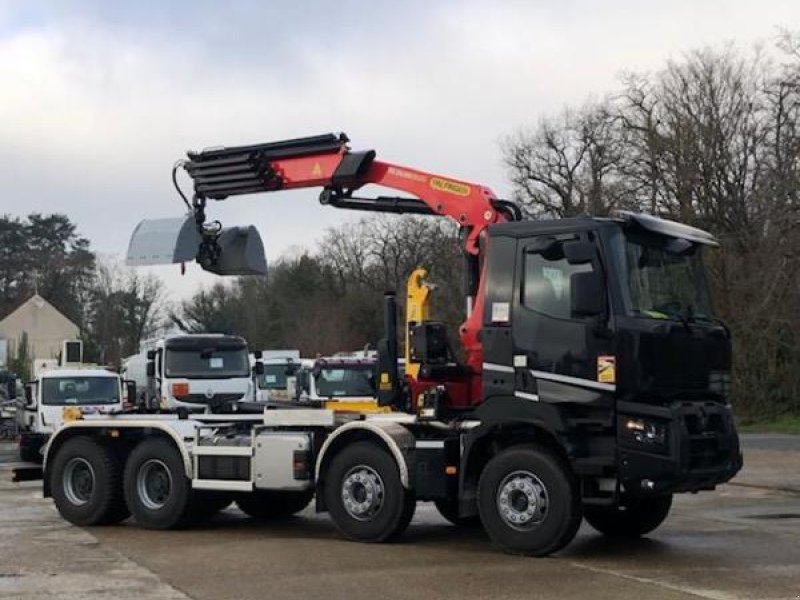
(593, 379)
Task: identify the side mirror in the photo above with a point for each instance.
(130, 391)
(587, 294)
(258, 368)
(151, 355)
(578, 253)
(257, 354)
(301, 381)
(12, 390)
(30, 400)
(151, 369)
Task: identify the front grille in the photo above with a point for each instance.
(213, 400)
(707, 430)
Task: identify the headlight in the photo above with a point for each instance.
(645, 431)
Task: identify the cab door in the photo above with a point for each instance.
(561, 342)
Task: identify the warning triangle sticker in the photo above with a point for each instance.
(316, 170)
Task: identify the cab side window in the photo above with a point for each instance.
(546, 283)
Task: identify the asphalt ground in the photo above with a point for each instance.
(741, 541)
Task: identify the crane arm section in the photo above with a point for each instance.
(327, 162)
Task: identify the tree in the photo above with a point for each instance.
(123, 308)
(22, 361)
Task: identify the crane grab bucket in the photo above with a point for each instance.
(241, 252)
(228, 251)
(163, 242)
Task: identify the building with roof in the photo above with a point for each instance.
(45, 326)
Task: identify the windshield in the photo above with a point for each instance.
(274, 377)
(207, 364)
(345, 382)
(660, 283)
(80, 390)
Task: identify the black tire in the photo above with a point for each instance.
(157, 490)
(631, 519)
(269, 504)
(86, 483)
(380, 507)
(529, 501)
(449, 510)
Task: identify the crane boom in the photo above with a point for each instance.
(326, 161)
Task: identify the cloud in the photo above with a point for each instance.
(100, 98)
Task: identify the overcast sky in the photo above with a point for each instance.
(98, 98)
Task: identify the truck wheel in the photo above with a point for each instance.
(269, 504)
(528, 501)
(157, 490)
(629, 520)
(365, 496)
(86, 483)
(449, 510)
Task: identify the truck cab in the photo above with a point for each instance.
(278, 380)
(605, 334)
(341, 383)
(42, 409)
(196, 372)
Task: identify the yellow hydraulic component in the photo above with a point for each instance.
(418, 293)
(71, 413)
(359, 406)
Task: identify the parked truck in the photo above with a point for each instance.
(278, 381)
(341, 383)
(593, 379)
(195, 372)
(59, 392)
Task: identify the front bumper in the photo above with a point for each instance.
(700, 448)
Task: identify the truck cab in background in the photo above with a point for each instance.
(278, 381)
(45, 404)
(196, 372)
(340, 383)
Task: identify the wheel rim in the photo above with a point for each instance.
(522, 500)
(154, 484)
(78, 481)
(362, 492)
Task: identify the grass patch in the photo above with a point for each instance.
(785, 424)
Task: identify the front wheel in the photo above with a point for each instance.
(631, 519)
(364, 494)
(528, 501)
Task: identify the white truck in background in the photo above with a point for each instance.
(278, 381)
(42, 408)
(343, 382)
(197, 372)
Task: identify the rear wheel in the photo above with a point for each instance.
(86, 483)
(528, 501)
(269, 504)
(631, 519)
(157, 490)
(364, 494)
